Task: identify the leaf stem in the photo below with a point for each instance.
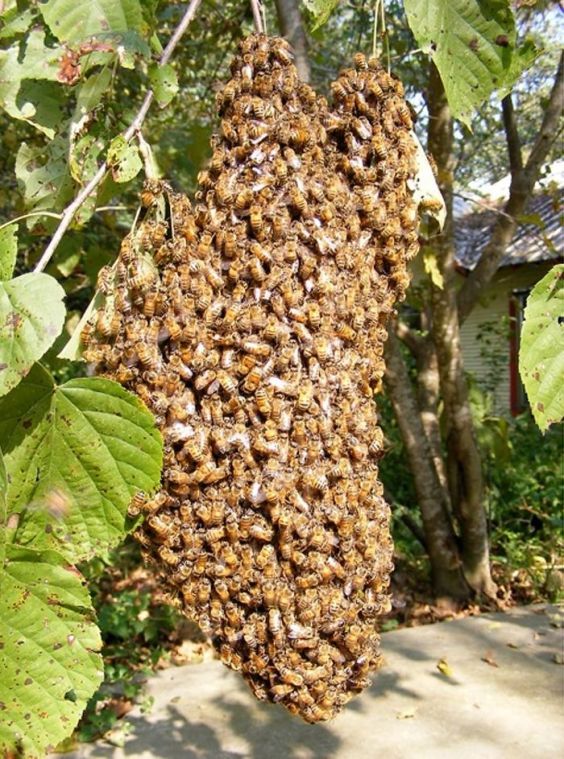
(68, 214)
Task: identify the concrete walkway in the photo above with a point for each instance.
(509, 706)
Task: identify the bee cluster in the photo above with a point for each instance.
(253, 326)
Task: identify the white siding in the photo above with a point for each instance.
(494, 308)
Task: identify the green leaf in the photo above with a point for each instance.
(124, 160)
(20, 94)
(49, 647)
(32, 314)
(541, 358)
(67, 256)
(15, 22)
(320, 10)
(473, 45)
(41, 105)
(130, 46)
(85, 150)
(44, 175)
(92, 91)
(8, 250)
(521, 60)
(76, 20)
(164, 83)
(75, 455)
(532, 218)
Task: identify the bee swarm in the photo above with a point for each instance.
(253, 327)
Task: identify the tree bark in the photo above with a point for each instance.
(464, 466)
(439, 536)
(523, 180)
(291, 27)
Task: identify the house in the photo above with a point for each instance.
(490, 335)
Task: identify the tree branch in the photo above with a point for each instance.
(512, 136)
(522, 185)
(414, 342)
(547, 132)
(292, 27)
(256, 6)
(70, 211)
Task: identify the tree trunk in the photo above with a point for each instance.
(291, 27)
(439, 536)
(463, 456)
(428, 397)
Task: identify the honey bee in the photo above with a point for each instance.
(257, 271)
(360, 62)
(280, 691)
(274, 621)
(226, 382)
(171, 558)
(263, 401)
(317, 481)
(147, 356)
(305, 396)
(345, 332)
(142, 277)
(261, 532)
(104, 282)
(256, 221)
(283, 52)
(298, 200)
(136, 504)
(339, 90)
(124, 374)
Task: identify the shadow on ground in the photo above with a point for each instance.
(503, 699)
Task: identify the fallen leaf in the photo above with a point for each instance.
(558, 658)
(120, 707)
(494, 625)
(444, 668)
(556, 620)
(117, 736)
(489, 659)
(513, 645)
(406, 714)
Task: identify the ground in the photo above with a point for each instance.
(489, 686)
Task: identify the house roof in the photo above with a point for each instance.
(539, 238)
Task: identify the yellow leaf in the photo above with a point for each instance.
(432, 267)
(444, 668)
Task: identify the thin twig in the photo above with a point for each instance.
(28, 215)
(256, 5)
(99, 209)
(70, 211)
(375, 27)
(486, 206)
(385, 36)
